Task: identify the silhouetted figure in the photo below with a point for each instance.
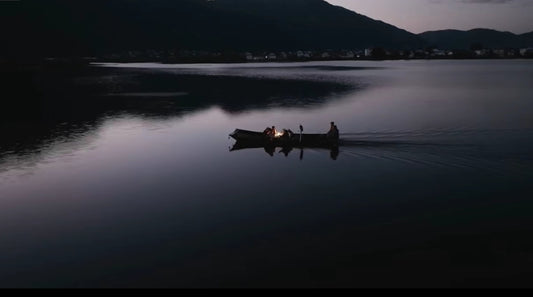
(267, 131)
(286, 135)
(331, 127)
(273, 133)
(333, 133)
(301, 132)
(290, 133)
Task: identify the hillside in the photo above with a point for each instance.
(529, 38)
(318, 24)
(455, 39)
(83, 27)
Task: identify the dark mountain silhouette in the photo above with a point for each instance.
(486, 38)
(529, 38)
(93, 27)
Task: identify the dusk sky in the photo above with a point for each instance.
(426, 15)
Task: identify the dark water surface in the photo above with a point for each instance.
(122, 177)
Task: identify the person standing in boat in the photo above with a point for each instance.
(301, 132)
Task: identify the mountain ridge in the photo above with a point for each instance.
(36, 28)
(478, 37)
(62, 27)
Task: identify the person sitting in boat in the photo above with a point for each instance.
(331, 127)
(273, 132)
(286, 134)
(290, 133)
(336, 133)
(333, 132)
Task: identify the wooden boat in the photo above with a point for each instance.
(258, 139)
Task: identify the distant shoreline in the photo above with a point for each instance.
(70, 63)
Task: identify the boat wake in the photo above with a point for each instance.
(499, 152)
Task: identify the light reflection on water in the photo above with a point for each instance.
(433, 174)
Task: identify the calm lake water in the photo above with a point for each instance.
(124, 177)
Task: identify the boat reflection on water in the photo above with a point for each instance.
(286, 141)
(286, 150)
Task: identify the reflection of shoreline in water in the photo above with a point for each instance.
(49, 105)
